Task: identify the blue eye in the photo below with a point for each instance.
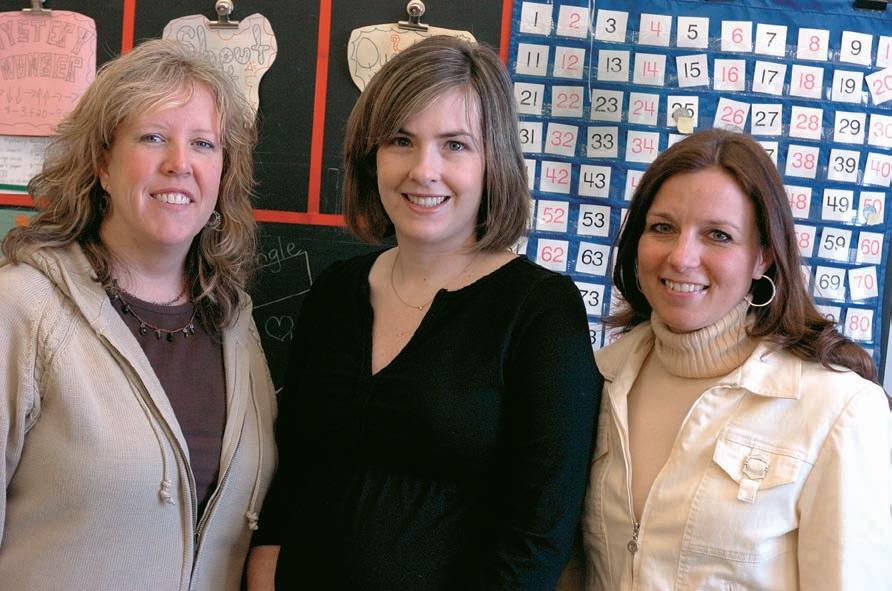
(660, 227)
(205, 144)
(455, 146)
(720, 236)
(400, 141)
(152, 138)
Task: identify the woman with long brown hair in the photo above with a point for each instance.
(742, 441)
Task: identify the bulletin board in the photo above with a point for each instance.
(603, 87)
(305, 99)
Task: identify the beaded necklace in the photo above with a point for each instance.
(115, 291)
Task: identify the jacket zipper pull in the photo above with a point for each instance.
(633, 544)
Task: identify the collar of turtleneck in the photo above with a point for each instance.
(709, 352)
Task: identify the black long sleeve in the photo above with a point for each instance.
(460, 465)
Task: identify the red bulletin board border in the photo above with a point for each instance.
(312, 217)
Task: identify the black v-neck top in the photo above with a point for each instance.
(461, 465)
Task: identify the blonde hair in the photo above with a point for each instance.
(71, 203)
(406, 85)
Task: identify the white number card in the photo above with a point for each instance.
(592, 258)
(830, 283)
(771, 40)
(607, 105)
(592, 296)
(594, 220)
(813, 44)
(693, 32)
(805, 239)
(594, 181)
(552, 254)
(849, 127)
(800, 200)
(859, 324)
(555, 177)
(737, 36)
(693, 70)
(611, 25)
(855, 48)
(551, 216)
(802, 161)
(870, 248)
(835, 244)
(573, 21)
(655, 29)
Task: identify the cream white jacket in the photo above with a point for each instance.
(92, 448)
(777, 480)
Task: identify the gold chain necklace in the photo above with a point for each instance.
(421, 307)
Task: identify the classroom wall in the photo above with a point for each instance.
(295, 172)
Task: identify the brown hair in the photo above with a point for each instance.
(407, 84)
(71, 203)
(791, 319)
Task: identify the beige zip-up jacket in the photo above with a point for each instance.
(92, 449)
(777, 481)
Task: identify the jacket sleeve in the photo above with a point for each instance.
(844, 527)
(276, 505)
(19, 398)
(551, 395)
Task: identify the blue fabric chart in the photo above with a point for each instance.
(603, 87)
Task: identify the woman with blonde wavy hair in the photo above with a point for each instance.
(137, 409)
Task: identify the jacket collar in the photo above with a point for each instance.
(68, 268)
(769, 371)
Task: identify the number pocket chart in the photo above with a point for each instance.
(603, 87)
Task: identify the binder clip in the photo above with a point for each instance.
(872, 4)
(415, 9)
(224, 8)
(37, 8)
(372, 46)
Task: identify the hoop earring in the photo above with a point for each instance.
(213, 222)
(749, 297)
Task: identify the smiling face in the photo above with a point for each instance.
(162, 174)
(430, 174)
(700, 249)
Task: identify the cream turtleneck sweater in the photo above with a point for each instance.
(679, 369)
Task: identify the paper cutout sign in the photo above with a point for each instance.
(46, 64)
(245, 53)
(20, 159)
(371, 47)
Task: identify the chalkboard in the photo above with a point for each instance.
(291, 253)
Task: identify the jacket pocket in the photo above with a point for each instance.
(745, 507)
(754, 465)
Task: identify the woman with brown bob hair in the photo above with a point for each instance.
(436, 424)
(137, 407)
(742, 441)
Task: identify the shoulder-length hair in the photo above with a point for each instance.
(71, 203)
(406, 85)
(791, 319)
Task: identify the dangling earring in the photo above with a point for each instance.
(213, 222)
(749, 297)
(102, 202)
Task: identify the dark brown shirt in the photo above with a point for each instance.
(191, 372)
